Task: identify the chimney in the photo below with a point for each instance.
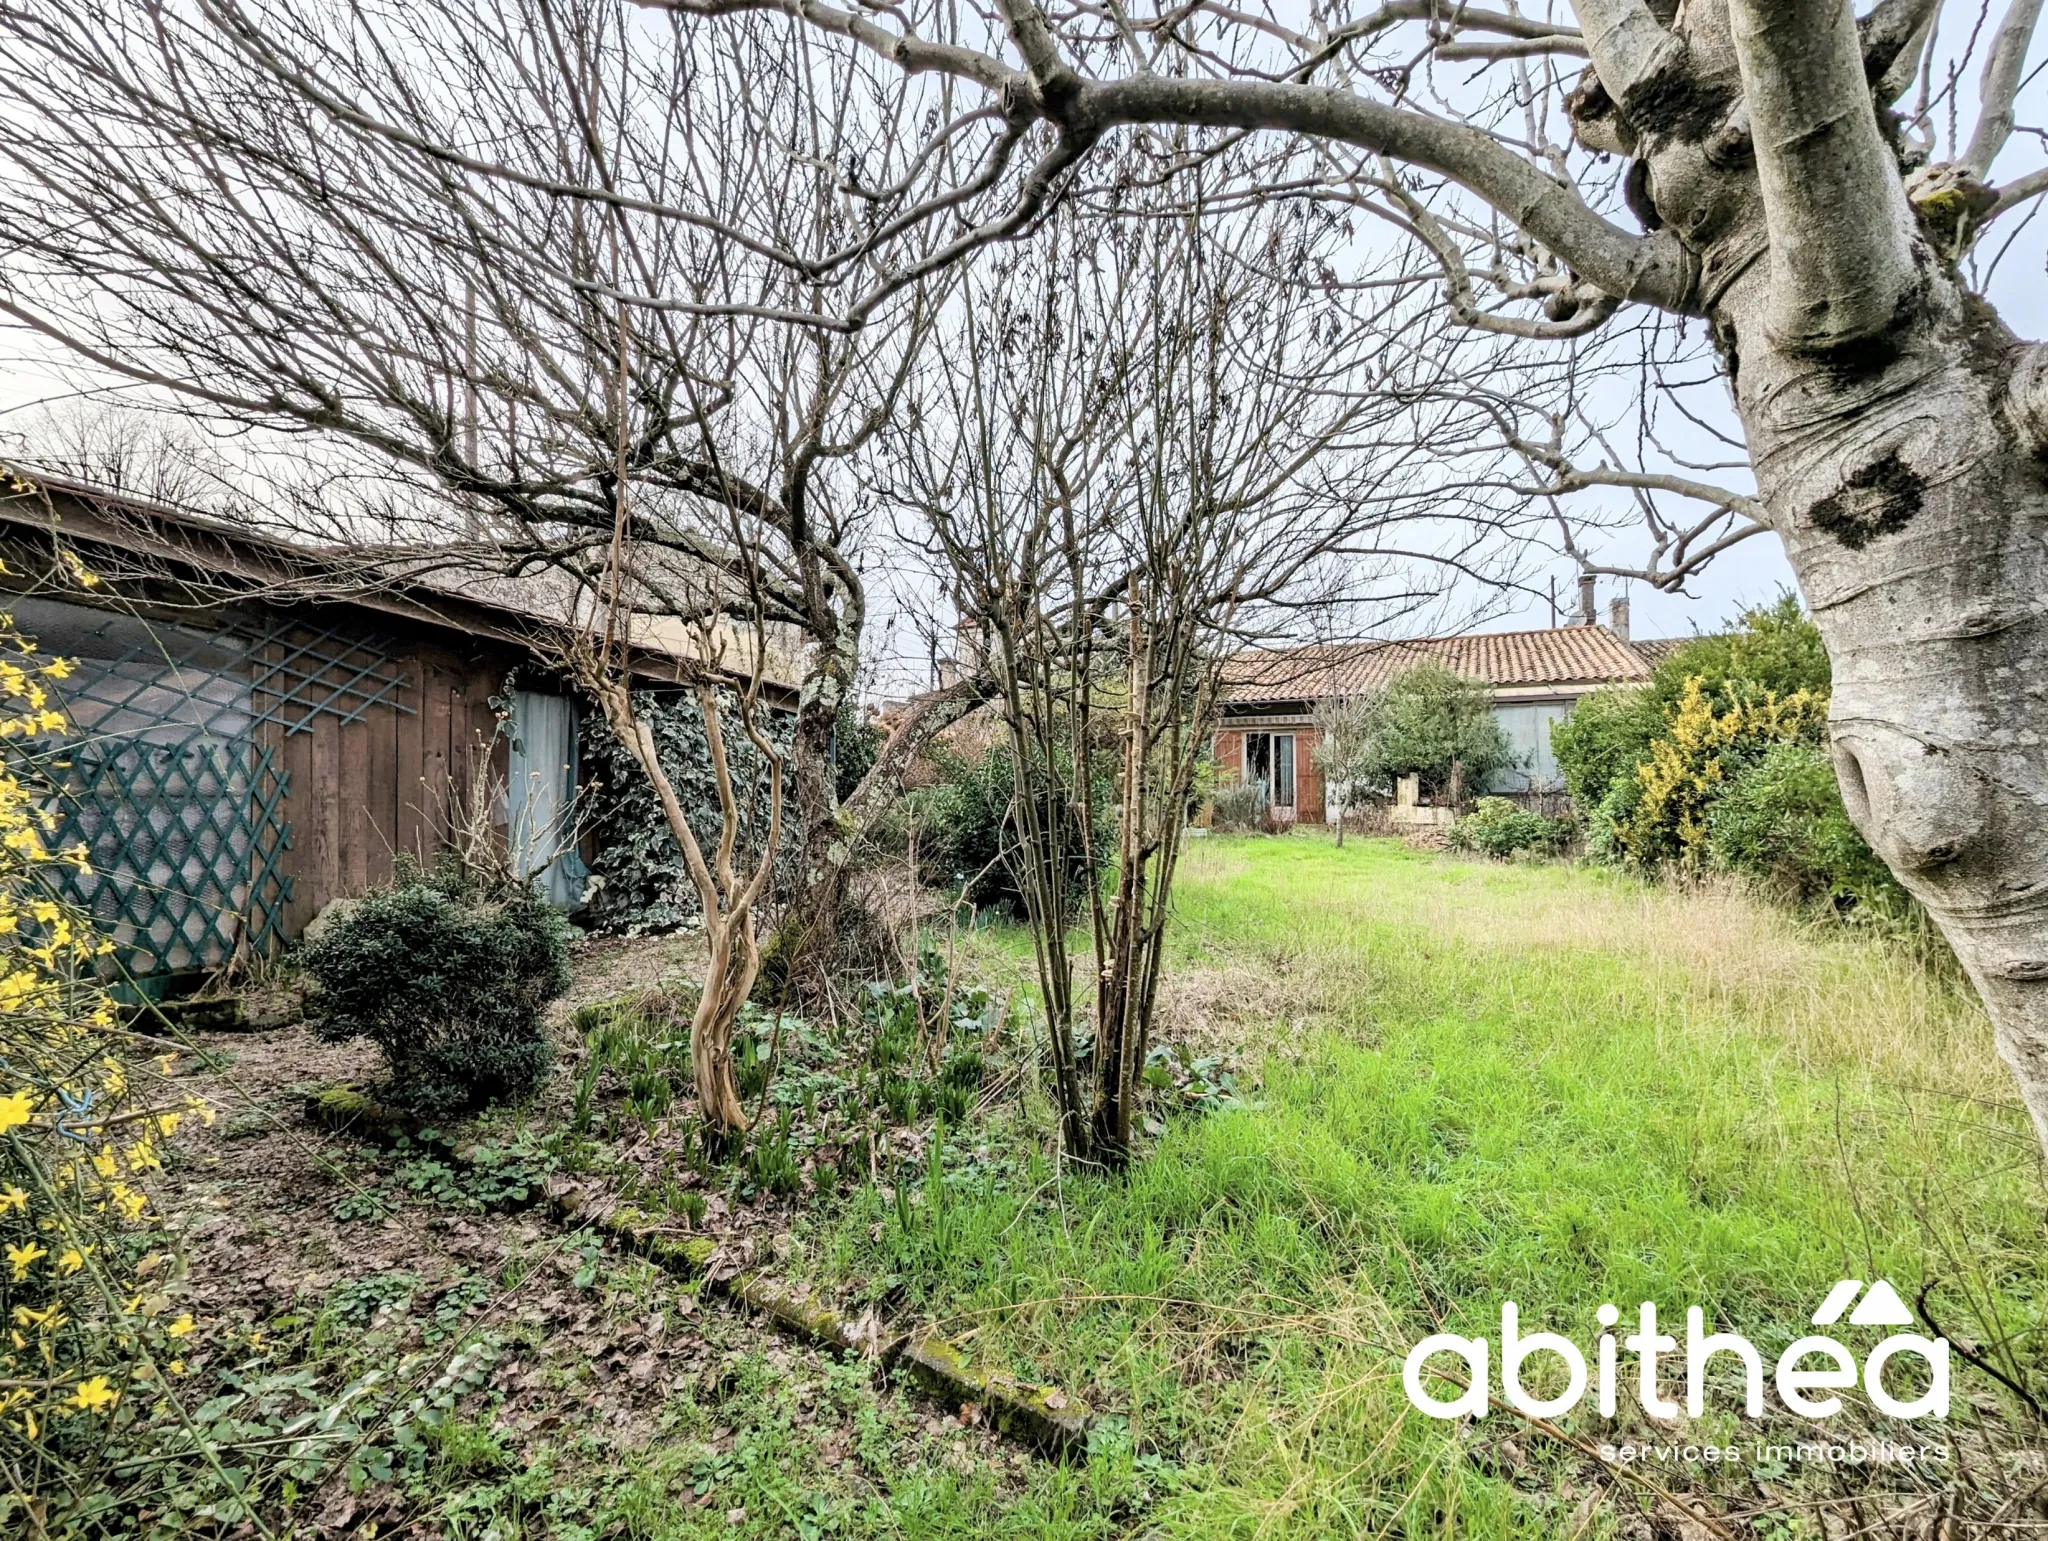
(1588, 613)
(970, 643)
(1617, 617)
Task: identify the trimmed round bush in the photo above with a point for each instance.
(450, 983)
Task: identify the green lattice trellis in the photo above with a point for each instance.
(321, 669)
(317, 671)
(165, 778)
(184, 841)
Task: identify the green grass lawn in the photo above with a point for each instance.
(1472, 1082)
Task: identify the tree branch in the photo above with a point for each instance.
(907, 51)
(1654, 269)
(1894, 34)
(1521, 48)
(1576, 313)
(1624, 41)
(2000, 85)
(1840, 230)
(2018, 191)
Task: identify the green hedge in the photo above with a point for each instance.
(1499, 828)
(1770, 809)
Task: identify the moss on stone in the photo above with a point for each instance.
(687, 1257)
(1041, 1416)
(350, 1110)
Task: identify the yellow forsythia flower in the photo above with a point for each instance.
(181, 1326)
(15, 1109)
(24, 1255)
(12, 1198)
(93, 1395)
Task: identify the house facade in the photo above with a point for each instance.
(1267, 733)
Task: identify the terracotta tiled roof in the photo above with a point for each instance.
(1656, 649)
(1562, 655)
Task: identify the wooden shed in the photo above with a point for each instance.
(245, 749)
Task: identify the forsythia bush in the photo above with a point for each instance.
(1721, 760)
(1701, 749)
(83, 1334)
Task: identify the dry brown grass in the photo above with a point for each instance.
(1829, 996)
(1710, 957)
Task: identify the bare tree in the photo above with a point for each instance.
(411, 233)
(1343, 749)
(1734, 160)
(731, 880)
(1146, 451)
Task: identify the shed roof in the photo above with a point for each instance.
(223, 559)
(1656, 649)
(1506, 660)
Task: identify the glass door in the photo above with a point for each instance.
(1258, 766)
(1269, 766)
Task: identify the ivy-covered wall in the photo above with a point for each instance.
(642, 884)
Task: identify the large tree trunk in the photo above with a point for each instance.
(1909, 491)
(1896, 430)
(803, 942)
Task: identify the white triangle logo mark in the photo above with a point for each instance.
(1881, 1308)
(1837, 1302)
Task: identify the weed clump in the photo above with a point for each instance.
(449, 977)
(1498, 828)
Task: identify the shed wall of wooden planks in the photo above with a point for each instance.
(370, 781)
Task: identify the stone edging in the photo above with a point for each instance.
(1041, 1416)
